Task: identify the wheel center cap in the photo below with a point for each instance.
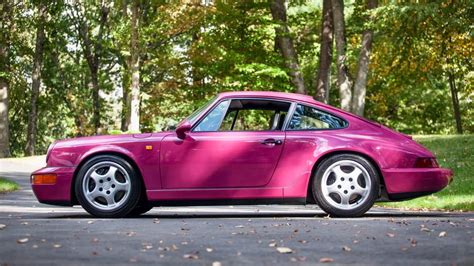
(106, 186)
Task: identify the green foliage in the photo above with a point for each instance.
(191, 51)
(7, 185)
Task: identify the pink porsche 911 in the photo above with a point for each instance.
(243, 148)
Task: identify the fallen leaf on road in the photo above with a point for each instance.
(272, 245)
(390, 235)
(24, 223)
(22, 240)
(2, 226)
(57, 245)
(346, 248)
(442, 234)
(192, 256)
(209, 249)
(284, 250)
(303, 241)
(131, 233)
(326, 260)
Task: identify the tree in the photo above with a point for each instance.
(285, 44)
(360, 84)
(344, 80)
(92, 50)
(6, 23)
(135, 69)
(36, 80)
(323, 80)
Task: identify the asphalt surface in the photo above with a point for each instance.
(33, 233)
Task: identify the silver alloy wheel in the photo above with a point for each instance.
(106, 185)
(346, 184)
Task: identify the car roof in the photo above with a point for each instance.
(271, 94)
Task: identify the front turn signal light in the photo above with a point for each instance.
(43, 179)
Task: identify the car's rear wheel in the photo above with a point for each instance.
(346, 185)
(107, 186)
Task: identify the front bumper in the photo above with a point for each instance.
(404, 183)
(59, 193)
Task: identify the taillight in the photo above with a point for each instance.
(426, 163)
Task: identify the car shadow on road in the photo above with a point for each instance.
(270, 215)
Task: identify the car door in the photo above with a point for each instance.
(227, 149)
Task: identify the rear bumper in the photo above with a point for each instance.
(59, 193)
(404, 183)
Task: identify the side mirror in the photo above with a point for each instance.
(182, 129)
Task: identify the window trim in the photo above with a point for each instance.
(314, 129)
(285, 123)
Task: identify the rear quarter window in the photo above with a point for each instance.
(309, 118)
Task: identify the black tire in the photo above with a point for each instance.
(331, 207)
(129, 203)
(140, 209)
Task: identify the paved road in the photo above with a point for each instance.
(230, 235)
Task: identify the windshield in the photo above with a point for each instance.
(192, 117)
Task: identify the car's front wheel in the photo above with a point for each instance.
(107, 186)
(346, 185)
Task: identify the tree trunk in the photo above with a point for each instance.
(125, 100)
(285, 45)
(5, 16)
(36, 81)
(360, 85)
(135, 68)
(323, 80)
(343, 78)
(93, 60)
(455, 99)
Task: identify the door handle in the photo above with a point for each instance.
(272, 142)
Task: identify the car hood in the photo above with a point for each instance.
(108, 139)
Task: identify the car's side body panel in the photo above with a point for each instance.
(219, 159)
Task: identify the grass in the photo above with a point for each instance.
(7, 185)
(455, 152)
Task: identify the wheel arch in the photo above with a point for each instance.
(309, 193)
(127, 158)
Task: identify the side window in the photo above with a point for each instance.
(307, 118)
(245, 115)
(255, 115)
(212, 121)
